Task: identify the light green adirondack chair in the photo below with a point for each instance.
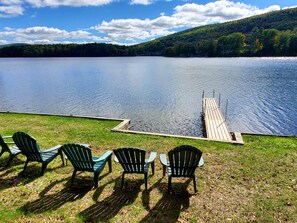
(30, 148)
(82, 160)
(13, 150)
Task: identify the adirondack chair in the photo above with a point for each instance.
(183, 161)
(13, 150)
(82, 160)
(133, 161)
(30, 148)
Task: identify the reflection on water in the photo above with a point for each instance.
(158, 94)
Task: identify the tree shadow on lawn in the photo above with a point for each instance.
(106, 209)
(169, 207)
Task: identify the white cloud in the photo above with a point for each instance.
(184, 16)
(42, 34)
(290, 7)
(10, 2)
(2, 42)
(10, 11)
(74, 3)
(141, 2)
(132, 29)
(216, 12)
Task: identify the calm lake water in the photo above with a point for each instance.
(158, 94)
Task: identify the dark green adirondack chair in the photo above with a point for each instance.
(183, 161)
(13, 150)
(30, 148)
(133, 161)
(82, 160)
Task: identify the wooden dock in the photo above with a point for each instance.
(215, 124)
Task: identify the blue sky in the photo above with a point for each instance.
(117, 21)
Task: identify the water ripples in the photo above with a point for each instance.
(157, 94)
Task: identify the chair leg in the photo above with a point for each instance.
(153, 167)
(194, 181)
(73, 176)
(109, 164)
(164, 170)
(62, 156)
(9, 160)
(2, 151)
(122, 183)
(27, 161)
(169, 184)
(44, 165)
(145, 180)
(96, 179)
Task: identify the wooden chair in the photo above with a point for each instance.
(133, 161)
(82, 160)
(13, 150)
(183, 161)
(30, 148)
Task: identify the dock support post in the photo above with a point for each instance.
(203, 102)
(226, 110)
(219, 100)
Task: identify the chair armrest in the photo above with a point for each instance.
(6, 137)
(105, 156)
(116, 159)
(163, 159)
(53, 148)
(84, 144)
(152, 157)
(201, 162)
(9, 142)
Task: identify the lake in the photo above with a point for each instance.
(158, 94)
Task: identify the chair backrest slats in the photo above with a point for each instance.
(131, 159)
(79, 155)
(184, 160)
(28, 145)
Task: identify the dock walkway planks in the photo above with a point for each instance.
(216, 127)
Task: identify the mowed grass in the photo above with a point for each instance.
(256, 182)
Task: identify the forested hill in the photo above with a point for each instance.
(271, 34)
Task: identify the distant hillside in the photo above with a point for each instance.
(282, 21)
(270, 34)
(14, 44)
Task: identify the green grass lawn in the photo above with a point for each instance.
(255, 182)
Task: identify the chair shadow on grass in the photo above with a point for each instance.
(9, 177)
(169, 207)
(106, 209)
(54, 201)
(49, 202)
(14, 162)
(14, 175)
